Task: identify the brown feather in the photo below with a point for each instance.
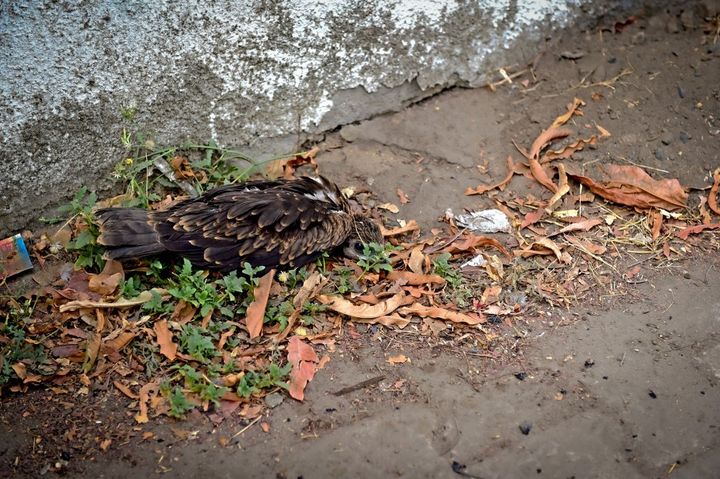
(281, 223)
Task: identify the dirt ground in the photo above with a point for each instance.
(623, 385)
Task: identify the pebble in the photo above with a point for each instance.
(681, 91)
(666, 138)
(630, 139)
(638, 38)
(685, 137)
(687, 19)
(672, 25)
(525, 427)
(660, 154)
(273, 400)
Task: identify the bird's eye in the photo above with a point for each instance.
(358, 247)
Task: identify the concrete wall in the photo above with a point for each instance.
(260, 74)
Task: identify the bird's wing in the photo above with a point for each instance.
(288, 224)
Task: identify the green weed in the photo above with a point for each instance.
(253, 382)
(89, 253)
(376, 257)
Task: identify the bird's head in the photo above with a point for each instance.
(364, 231)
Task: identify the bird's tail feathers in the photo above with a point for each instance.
(127, 233)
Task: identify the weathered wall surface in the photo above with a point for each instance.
(259, 74)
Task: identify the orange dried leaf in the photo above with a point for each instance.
(410, 226)
(442, 313)
(544, 139)
(469, 242)
(104, 445)
(398, 359)
(148, 390)
(164, 339)
(364, 311)
(585, 225)
(480, 189)
(568, 151)
(712, 196)
(417, 259)
(265, 426)
(403, 197)
(632, 186)
(125, 390)
(414, 279)
(256, 311)
(120, 341)
(388, 321)
(532, 218)
(656, 220)
(303, 359)
(573, 109)
(693, 230)
(540, 175)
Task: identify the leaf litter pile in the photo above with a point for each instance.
(172, 338)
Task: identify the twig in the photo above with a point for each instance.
(246, 427)
(360, 385)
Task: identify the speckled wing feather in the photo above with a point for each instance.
(269, 223)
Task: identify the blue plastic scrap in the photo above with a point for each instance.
(14, 256)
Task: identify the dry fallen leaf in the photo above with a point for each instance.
(389, 207)
(469, 242)
(107, 281)
(364, 311)
(125, 390)
(442, 313)
(410, 226)
(656, 221)
(712, 196)
(403, 197)
(399, 359)
(417, 260)
(164, 339)
(632, 186)
(414, 279)
(303, 358)
(480, 189)
(585, 225)
(693, 230)
(255, 313)
(265, 426)
(142, 298)
(104, 445)
(148, 390)
(572, 109)
(388, 321)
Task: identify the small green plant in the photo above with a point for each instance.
(342, 283)
(456, 288)
(193, 287)
(200, 385)
(198, 343)
(253, 381)
(131, 287)
(376, 257)
(179, 404)
(85, 241)
(13, 347)
(279, 313)
(128, 112)
(310, 311)
(157, 305)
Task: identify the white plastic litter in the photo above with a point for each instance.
(485, 221)
(476, 262)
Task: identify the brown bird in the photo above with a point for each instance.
(277, 224)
